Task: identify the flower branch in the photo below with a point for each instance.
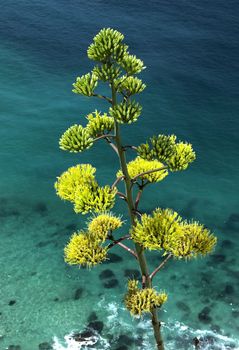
(160, 266)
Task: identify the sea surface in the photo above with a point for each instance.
(191, 51)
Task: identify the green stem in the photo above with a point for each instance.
(131, 208)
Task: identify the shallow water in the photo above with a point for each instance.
(191, 56)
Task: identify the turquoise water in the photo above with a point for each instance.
(190, 50)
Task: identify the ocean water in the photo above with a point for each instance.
(191, 52)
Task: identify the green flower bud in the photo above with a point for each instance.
(126, 112)
(86, 84)
(129, 85)
(131, 64)
(107, 72)
(107, 43)
(75, 139)
(182, 156)
(162, 148)
(99, 124)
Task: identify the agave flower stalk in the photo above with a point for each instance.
(163, 230)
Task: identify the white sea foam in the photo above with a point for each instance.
(116, 324)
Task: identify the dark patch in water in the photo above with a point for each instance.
(122, 347)
(56, 299)
(6, 210)
(106, 274)
(235, 314)
(71, 227)
(232, 222)
(173, 277)
(183, 307)
(217, 258)
(226, 243)
(113, 258)
(111, 283)
(96, 325)
(204, 315)
(92, 317)
(33, 273)
(125, 339)
(132, 273)
(206, 278)
(12, 302)
(188, 210)
(78, 293)
(41, 208)
(229, 289)
(45, 346)
(44, 243)
(14, 347)
(87, 333)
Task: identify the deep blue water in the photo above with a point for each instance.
(191, 52)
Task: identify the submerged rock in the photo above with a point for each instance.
(229, 289)
(78, 293)
(96, 325)
(92, 317)
(235, 314)
(41, 208)
(218, 258)
(44, 243)
(183, 307)
(204, 315)
(45, 346)
(232, 222)
(125, 339)
(106, 274)
(226, 243)
(111, 283)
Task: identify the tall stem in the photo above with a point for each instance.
(131, 208)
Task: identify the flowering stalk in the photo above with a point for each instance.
(163, 229)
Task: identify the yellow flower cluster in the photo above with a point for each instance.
(140, 165)
(138, 300)
(94, 199)
(195, 240)
(79, 186)
(165, 148)
(101, 225)
(164, 229)
(77, 176)
(82, 250)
